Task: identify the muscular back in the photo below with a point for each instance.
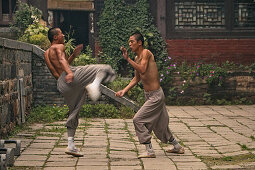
(150, 78)
(52, 59)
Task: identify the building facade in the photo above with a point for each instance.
(201, 30)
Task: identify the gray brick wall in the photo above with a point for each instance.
(15, 74)
(24, 81)
(44, 84)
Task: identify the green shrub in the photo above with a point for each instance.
(32, 31)
(40, 40)
(36, 34)
(105, 111)
(117, 22)
(136, 93)
(23, 17)
(69, 44)
(84, 58)
(47, 114)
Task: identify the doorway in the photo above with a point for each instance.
(76, 24)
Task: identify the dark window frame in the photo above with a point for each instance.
(229, 31)
(11, 11)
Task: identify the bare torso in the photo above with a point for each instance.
(52, 59)
(149, 78)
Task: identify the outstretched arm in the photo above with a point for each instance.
(76, 52)
(133, 82)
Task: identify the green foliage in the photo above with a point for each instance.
(24, 16)
(135, 94)
(47, 113)
(26, 25)
(117, 22)
(252, 138)
(213, 75)
(84, 58)
(40, 40)
(227, 158)
(36, 34)
(69, 43)
(105, 111)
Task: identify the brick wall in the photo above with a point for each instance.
(212, 50)
(24, 81)
(15, 83)
(236, 87)
(45, 90)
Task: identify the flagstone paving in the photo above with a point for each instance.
(214, 137)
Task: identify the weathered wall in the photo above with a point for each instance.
(15, 83)
(24, 80)
(237, 86)
(240, 51)
(44, 84)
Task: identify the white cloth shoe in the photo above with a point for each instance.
(93, 91)
(147, 155)
(74, 152)
(174, 150)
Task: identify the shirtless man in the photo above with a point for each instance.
(71, 81)
(153, 115)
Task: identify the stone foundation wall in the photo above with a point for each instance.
(24, 81)
(15, 83)
(237, 86)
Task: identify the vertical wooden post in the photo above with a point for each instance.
(161, 17)
(229, 14)
(170, 17)
(10, 10)
(91, 18)
(1, 11)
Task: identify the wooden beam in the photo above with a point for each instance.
(1, 10)
(123, 100)
(161, 17)
(71, 5)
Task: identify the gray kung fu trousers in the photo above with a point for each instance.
(153, 116)
(74, 93)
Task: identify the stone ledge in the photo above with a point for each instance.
(14, 44)
(38, 51)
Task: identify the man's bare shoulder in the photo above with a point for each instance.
(147, 52)
(57, 46)
(53, 48)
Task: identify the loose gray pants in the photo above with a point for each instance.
(74, 93)
(153, 116)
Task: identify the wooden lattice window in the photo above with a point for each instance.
(7, 8)
(199, 14)
(210, 18)
(244, 13)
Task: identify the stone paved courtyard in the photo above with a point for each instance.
(214, 137)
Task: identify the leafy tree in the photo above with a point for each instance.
(24, 16)
(117, 22)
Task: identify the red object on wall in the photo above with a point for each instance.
(240, 51)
